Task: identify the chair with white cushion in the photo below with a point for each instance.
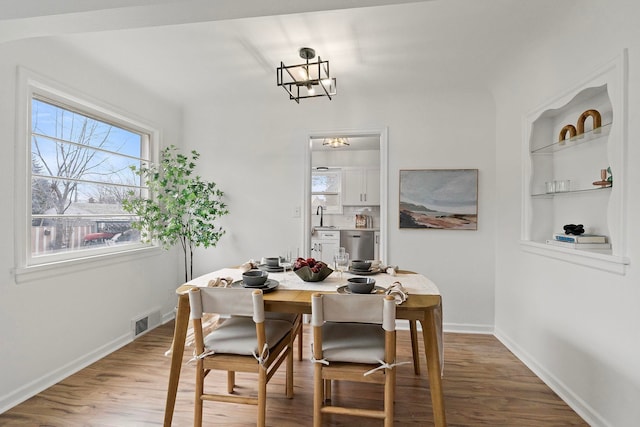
(245, 342)
(354, 339)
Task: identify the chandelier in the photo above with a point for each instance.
(307, 80)
(336, 142)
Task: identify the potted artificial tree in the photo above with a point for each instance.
(181, 207)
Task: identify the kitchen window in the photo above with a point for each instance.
(77, 163)
(326, 190)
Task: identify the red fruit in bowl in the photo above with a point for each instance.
(300, 262)
(311, 262)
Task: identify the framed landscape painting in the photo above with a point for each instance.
(439, 199)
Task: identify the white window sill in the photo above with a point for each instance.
(598, 260)
(46, 270)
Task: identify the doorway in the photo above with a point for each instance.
(367, 153)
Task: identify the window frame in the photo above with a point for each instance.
(32, 86)
(336, 209)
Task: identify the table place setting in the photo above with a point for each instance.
(411, 284)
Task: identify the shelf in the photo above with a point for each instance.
(599, 208)
(591, 135)
(598, 259)
(566, 193)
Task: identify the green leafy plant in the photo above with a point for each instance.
(181, 207)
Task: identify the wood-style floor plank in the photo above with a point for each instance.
(484, 385)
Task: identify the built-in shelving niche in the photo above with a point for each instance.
(579, 160)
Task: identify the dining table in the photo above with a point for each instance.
(423, 304)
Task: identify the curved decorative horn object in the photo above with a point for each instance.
(597, 120)
(571, 129)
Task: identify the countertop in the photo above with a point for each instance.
(344, 229)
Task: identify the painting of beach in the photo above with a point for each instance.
(439, 199)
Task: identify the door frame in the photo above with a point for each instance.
(382, 134)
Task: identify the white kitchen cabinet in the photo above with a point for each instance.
(552, 155)
(361, 186)
(324, 245)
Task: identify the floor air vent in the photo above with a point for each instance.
(142, 324)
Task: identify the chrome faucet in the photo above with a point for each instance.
(319, 211)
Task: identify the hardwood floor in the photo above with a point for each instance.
(484, 385)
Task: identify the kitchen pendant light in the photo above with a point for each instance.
(307, 80)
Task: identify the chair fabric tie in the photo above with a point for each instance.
(384, 365)
(314, 360)
(264, 355)
(201, 356)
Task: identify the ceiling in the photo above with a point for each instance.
(186, 50)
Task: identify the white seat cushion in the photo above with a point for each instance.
(352, 342)
(237, 335)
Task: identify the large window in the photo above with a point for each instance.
(80, 171)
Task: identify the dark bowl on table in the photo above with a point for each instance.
(272, 261)
(360, 264)
(255, 277)
(361, 285)
(306, 274)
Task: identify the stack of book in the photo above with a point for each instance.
(582, 241)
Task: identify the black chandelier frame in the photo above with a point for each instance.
(298, 88)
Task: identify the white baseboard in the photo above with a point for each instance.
(458, 328)
(565, 393)
(27, 391)
(467, 328)
(167, 317)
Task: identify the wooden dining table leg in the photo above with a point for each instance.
(430, 337)
(177, 351)
(413, 331)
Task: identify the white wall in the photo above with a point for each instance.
(51, 326)
(577, 327)
(253, 146)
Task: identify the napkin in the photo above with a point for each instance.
(391, 270)
(398, 292)
(220, 282)
(249, 265)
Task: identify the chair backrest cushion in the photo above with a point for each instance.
(352, 308)
(242, 302)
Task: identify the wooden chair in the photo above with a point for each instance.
(245, 342)
(354, 339)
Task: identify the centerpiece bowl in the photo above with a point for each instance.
(308, 275)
